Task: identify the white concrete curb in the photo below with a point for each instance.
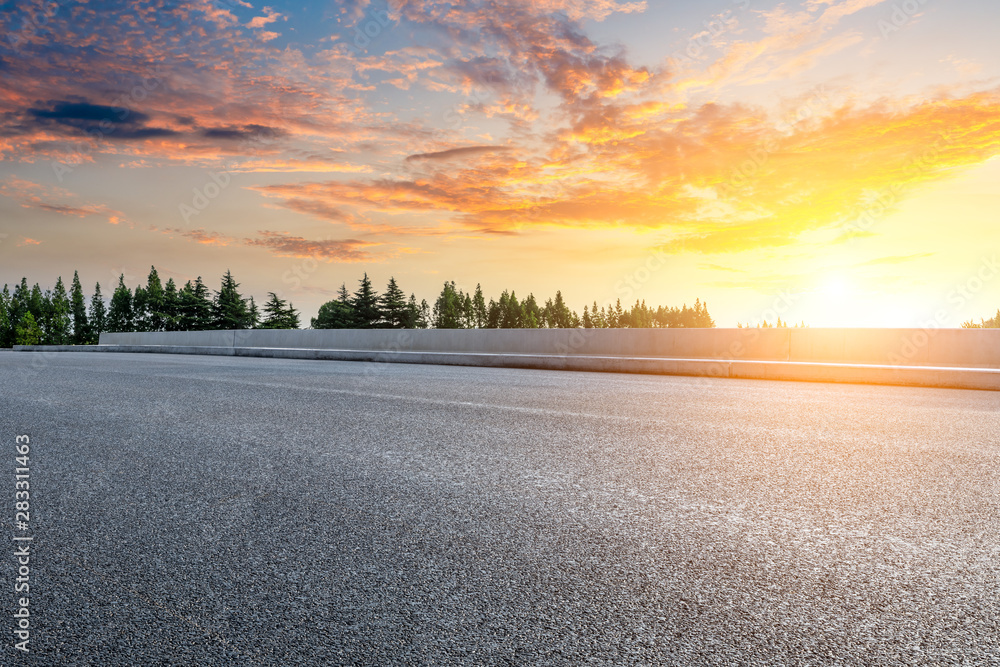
(914, 376)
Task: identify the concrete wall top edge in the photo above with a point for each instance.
(901, 347)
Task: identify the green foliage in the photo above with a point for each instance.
(194, 307)
(336, 314)
(78, 305)
(231, 310)
(641, 316)
(365, 305)
(58, 321)
(98, 315)
(62, 317)
(154, 317)
(393, 307)
(417, 315)
(7, 327)
(279, 314)
(28, 331)
(478, 308)
(140, 309)
(449, 309)
(992, 323)
(171, 307)
(120, 311)
(17, 308)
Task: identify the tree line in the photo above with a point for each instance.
(61, 316)
(457, 309)
(30, 316)
(992, 323)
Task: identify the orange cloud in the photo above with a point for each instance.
(199, 236)
(717, 179)
(283, 244)
(46, 198)
(286, 245)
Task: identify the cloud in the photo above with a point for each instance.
(721, 178)
(101, 81)
(286, 245)
(199, 236)
(458, 152)
(54, 200)
(98, 120)
(601, 140)
(71, 111)
(244, 133)
(283, 244)
(270, 16)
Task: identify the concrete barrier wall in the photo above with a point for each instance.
(969, 348)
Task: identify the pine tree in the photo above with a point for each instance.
(81, 326)
(194, 307)
(365, 306)
(7, 327)
(479, 308)
(98, 315)
(120, 311)
(414, 317)
(18, 307)
(230, 310)
(140, 309)
(155, 317)
(511, 314)
(279, 314)
(531, 314)
(334, 315)
(493, 315)
(392, 305)
(448, 309)
(425, 315)
(253, 314)
(28, 332)
(468, 311)
(38, 304)
(171, 306)
(59, 331)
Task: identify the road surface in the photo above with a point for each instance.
(210, 510)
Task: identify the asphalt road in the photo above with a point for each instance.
(210, 510)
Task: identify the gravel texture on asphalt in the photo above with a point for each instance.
(211, 511)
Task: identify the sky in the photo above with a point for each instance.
(826, 161)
